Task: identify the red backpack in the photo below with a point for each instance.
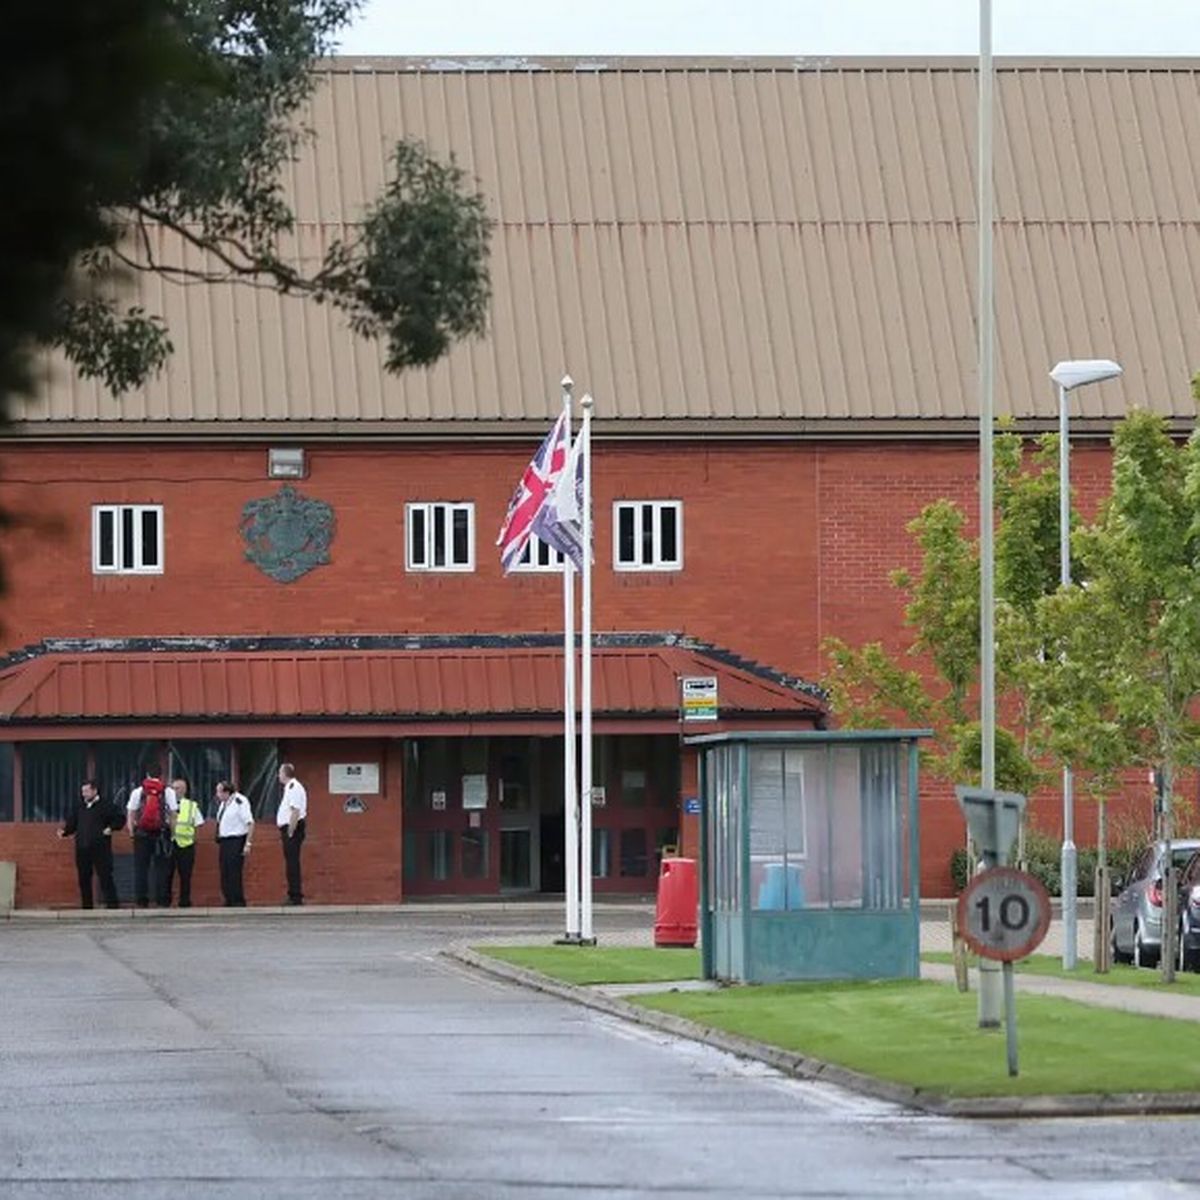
(152, 816)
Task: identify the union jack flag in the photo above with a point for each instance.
(532, 492)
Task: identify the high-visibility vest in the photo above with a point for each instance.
(185, 822)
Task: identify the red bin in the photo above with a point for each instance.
(678, 895)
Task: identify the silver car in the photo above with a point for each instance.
(1137, 909)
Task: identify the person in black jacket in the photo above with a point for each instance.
(91, 823)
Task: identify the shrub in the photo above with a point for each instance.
(1043, 860)
(960, 869)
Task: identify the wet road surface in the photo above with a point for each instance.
(344, 1056)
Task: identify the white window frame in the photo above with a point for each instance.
(449, 508)
(529, 562)
(140, 566)
(654, 508)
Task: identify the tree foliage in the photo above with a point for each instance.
(933, 683)
(73, 94)
(145, 116)
(1122, 669)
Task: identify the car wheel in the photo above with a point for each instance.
(1118, 955)
(1187, 958)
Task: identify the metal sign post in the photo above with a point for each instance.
(1003, 914)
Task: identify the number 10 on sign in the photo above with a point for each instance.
(1004, 914)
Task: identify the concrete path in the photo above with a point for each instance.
(1149, 1001)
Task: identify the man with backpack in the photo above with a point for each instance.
(150, 819)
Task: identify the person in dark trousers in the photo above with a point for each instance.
(91, 822)
(235, 833)
(188, 819)
(292, 819)
(152, 844)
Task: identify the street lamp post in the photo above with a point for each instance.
(1070, 375)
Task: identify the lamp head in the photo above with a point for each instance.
(1075, 372)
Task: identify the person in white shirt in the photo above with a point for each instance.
(235, 833)
(149, 819)
(292, 819)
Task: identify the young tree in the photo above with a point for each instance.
(870, 687)
(1122, 668)
(125, 119)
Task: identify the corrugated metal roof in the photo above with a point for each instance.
(750, 241)
(400, 685)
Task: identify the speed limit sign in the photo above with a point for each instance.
(1004, 913)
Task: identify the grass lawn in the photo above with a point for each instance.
(1186, 983)
(924, 1034)
(602, 964)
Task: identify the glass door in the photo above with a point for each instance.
(516, 860)
(515, 767)
(449, 817)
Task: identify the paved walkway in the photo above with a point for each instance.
(1148, 1001)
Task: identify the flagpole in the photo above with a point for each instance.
(586, 934)
(570, 791)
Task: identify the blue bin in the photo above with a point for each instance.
(780, 889)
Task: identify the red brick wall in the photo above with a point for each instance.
(785, 544)
(756, 594)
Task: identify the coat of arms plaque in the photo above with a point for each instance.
(287, 534)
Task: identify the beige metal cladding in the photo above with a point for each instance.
(731, 241)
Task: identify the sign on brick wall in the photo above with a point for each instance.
(358, 779)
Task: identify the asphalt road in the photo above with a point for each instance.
(342, 1056)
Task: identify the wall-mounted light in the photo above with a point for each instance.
(286, 464)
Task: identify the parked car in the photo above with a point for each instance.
(1137, 909)
(1189, 915)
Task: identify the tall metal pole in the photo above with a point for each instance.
(570, 790)
(1068, 863)
(586, 934)
(990, 986)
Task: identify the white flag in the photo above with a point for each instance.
(559, 522)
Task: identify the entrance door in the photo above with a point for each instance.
(516, 860)
(554, 869)
(516, 768)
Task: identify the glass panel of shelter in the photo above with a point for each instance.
(823, 827)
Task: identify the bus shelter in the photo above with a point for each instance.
(810, 860)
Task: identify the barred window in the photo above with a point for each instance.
(51, 773)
